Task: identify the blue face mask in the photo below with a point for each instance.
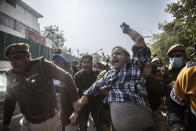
(176, 62)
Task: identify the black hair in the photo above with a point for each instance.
(74, 62)
(86, 56)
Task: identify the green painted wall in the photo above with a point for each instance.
(36, 49)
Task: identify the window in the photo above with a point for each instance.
(14, 24)
(12, 2)
(20, 27)
(7, 21)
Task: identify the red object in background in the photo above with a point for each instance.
(37, 38)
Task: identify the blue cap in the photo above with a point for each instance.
(59, 60)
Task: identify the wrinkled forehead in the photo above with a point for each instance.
(118, 50)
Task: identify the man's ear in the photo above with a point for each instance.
(28, 55)
(128, 58)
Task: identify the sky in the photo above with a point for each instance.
(91, 25)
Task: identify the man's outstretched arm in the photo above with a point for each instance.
(135, 36)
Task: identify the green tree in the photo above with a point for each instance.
(55, 34)
(66, 50)
(182, 30)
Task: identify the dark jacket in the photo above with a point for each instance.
(34, 89)
(155, 90)
(84, 81)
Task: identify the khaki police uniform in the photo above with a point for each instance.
(170, 74)
(35, 93)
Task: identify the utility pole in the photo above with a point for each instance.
(78, 53)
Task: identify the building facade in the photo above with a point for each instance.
(17, 18)
(19, 23)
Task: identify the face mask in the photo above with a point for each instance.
(176, 62)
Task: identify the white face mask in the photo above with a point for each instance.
(176, 62)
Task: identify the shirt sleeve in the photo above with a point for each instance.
(94, 89)
(177, 93)
(54, 72)
(140, 55)
(175, 113)
(9, 104)
(79, 83)
(135, 36)
(101, 74)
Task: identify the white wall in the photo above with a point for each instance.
(11, 31)
(20, 14)
(49, 43)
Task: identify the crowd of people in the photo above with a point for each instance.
(129, 93)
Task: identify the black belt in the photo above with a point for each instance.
(41, 118)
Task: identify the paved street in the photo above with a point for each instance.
(72, 128)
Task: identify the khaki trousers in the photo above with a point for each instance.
(53, 124)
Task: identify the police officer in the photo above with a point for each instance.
(177, 60)
(30, 84)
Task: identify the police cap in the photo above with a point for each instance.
(56, 50)
(174, 48)
(16, 48)
(156, 60)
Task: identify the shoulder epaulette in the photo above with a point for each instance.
(39, 59)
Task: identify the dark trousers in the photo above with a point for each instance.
(191, 122)
(84, 116)
(160, 121)
(103, 117)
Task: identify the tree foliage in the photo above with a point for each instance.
(182, 30)
(66, 50)
(57, 36)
